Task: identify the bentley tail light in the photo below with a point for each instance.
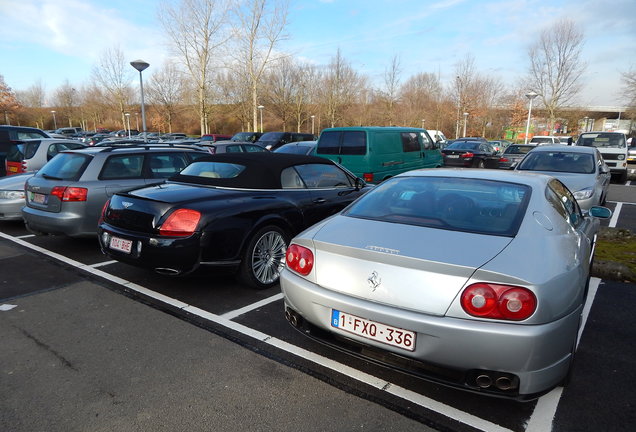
(102, 215)
(299, 259)
(181, 223)
(67, 193)
(498, 301)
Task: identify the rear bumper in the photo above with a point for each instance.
(168, 255)
(64, 223)
(11, 209)
(448, 350)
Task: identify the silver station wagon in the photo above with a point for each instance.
(471, 278)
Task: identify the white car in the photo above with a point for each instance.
(545, 140)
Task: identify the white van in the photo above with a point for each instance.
(613, 148)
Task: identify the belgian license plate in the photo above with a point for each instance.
(373, 330)
(38, 198)
(452, 156)
(120, 244)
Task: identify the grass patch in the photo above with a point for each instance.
(615, 255)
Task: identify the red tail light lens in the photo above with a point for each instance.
(503, 159)
(498, 301)
(181, 223)
(70, 193)
(467, 155)
(299, 259)
(103, 213)
(367, 177)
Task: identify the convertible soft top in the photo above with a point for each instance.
(261, 170)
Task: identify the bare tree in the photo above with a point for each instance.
(114, 74)
(280, 89)
(465, 76)
(629, 86)
(421, 96)
(339, 87)
(556, 66)
(261, 25)
(390, 93)
(33, 97)
(198, 31)
(166, 92)
(66, 99)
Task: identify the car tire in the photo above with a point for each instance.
(264, 257)
(480, 164)
(623, 177)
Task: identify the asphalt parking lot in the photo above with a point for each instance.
(91, 344)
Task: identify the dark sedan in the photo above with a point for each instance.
(231, 209)
(475, 154)
(513, 155)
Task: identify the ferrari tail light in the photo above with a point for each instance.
(181, 223)
(299, 259)
(498, 301)
(68, 193)
(367, 177)
(467, 155)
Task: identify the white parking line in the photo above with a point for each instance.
(233, 314)
(614, 219)
(105, 263)
(26, 236)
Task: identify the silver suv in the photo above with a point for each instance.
(67, 195)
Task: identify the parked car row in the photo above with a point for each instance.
(367, 269)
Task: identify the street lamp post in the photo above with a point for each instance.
(137, 121)
(128, 123)
(423, 120)
(465, 121)
(586, 118)
(530, 95)
(312, 124)
(54, 120)
(141, 65)
(260, 109)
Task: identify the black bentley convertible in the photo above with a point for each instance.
(233, 209)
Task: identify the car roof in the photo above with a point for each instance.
(536, 180)
(262, 169)
(565, 149)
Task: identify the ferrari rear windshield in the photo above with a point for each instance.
(463, 204)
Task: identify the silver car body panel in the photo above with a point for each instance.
(409, 276)
(422, 272)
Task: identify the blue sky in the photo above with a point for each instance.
(52, 41)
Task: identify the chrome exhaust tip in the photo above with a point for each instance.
(503, 383)
(483, 381)
(292, 317)
(167, 271)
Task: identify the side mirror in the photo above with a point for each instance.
(600, 212)
(360, 183)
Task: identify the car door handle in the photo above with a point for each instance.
(320, 201)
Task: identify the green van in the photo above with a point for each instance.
(377, 153)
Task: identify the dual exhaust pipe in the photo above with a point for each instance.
(293, 317)
(502, 383)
